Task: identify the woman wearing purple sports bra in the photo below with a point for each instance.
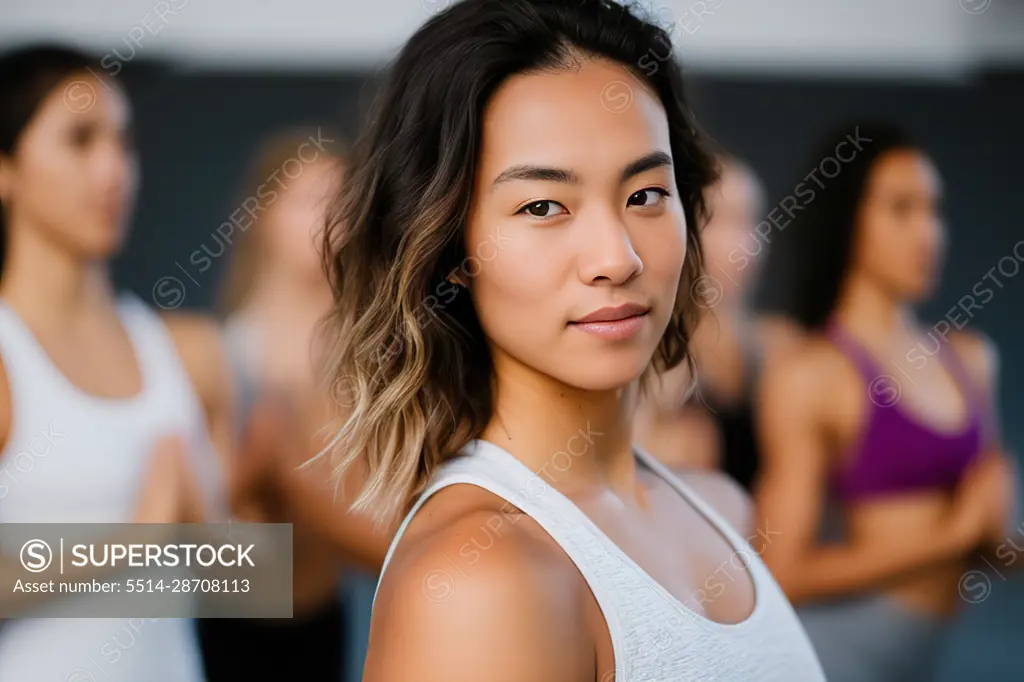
(883, 471)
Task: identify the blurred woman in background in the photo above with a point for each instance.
(713, 427)
(125, 402)
(275, 294)
(887, 424)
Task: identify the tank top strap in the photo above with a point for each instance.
(487, 466)
(154, 348)
(852, 349)
(737, 541)
(169, 390)
(28, 366)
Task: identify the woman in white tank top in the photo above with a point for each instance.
(514, 258)
(104, 408)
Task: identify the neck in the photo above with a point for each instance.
(866, 308)
(41, 279)
(571, 437)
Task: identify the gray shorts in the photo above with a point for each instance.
(874, 639)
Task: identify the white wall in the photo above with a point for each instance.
(936, 37)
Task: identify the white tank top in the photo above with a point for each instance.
(654, 637)
(74, 457)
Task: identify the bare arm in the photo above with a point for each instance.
(980, 357)
(793, 423)
(279, 477)
(311, 495)
(198, 342)
(508, 617)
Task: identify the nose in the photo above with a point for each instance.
(112, 164)
(607, 253)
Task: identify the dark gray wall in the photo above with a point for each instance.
(196, 134)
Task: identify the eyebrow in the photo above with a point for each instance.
(570, 177)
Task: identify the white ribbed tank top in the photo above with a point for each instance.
(655, 638)
(74, 457)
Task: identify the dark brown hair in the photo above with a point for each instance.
(415, 379)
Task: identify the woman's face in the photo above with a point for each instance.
(73, 173)
(294, 220)
(575, 215)
(900, 237)
(731, 248)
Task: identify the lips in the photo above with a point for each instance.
(614, 324)
(614, 314)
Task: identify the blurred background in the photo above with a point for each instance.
(210, 80)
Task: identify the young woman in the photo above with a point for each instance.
(882, 464)
(275, 293)
(713, 427)
(512, 256)
(125, 400)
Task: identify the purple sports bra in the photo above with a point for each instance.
(896, 453)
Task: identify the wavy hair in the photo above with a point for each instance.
(415, 380)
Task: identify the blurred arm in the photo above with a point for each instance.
(981, 359)
(313, 498)
(202, 353)
(793, 425)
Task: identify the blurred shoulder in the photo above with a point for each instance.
(193, 333)
(724, 495)
(810, 365)
(979, 355)
(199, 342)
(777, 336)
(476, 589)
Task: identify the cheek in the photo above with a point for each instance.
(885, 247)
(55, 189)
(515, 290)
(663, 252)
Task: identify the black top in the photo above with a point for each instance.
(740, 454)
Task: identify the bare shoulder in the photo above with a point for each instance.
(778, 336)
(804, 375)
(979, 355)
(199, 343)
(197, 338)
(724, 495)
(475, 594)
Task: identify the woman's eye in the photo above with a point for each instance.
(646, 197)
(543, 209)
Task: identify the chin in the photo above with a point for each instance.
(101, 244)
(602, 375)
(918, 290)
